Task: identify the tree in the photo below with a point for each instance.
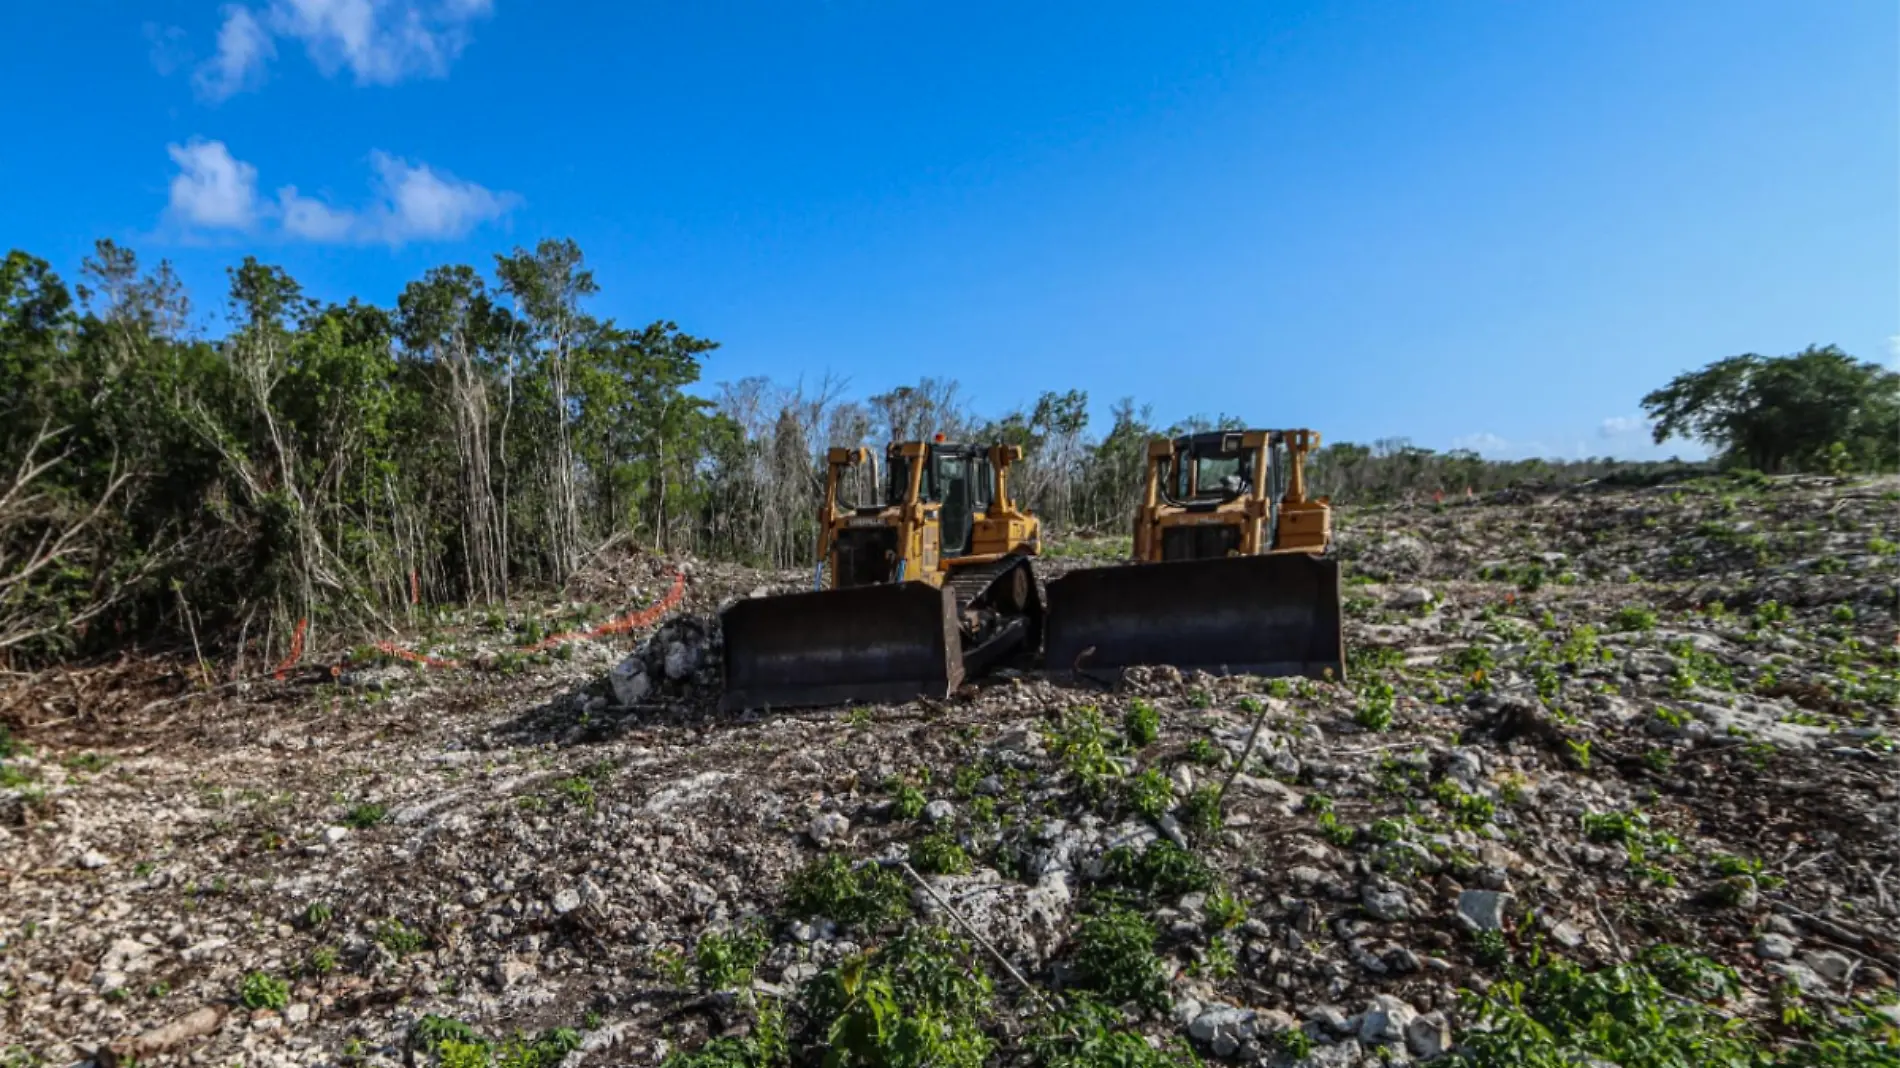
(341, 464)
(640, 434)
(913, 413)
(447, 319)
(1786, 413)
(547, 286)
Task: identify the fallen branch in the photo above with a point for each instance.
(124, 1052)
(1865, 941)
(1609, 928)
(1246, 754)
(1027, 986)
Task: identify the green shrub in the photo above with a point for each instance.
(457, 1045)
(1493, 949)
(456, 1053)
(1729, 865)
(1085, 1034)
(1150, 794)
(321, 961)
(764, 1047)
(1294, 1044)
(366, 815)
(830, 887)
(910, 802)
(1376, 703)
(1475, 658)
(1115, 955)
(90, 763)
(1654, 1012)
(1084, 743)
(578, 792)
(1217, 960)
(1225, 910)
(1142, 724)
(1472, 810)
(726, 961)
(1162, 872)
(1372, 659)
(1633, 617)
(939, 854)
(1201, 811)
(392, 934)
(432, 1031)
(262, 991)
(919, 1001)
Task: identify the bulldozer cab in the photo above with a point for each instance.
(930, 506)
(960, 481)
(1204, 471)
(1229, 493)
(1230, 570)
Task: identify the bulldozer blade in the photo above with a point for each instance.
(1256, 615)
(892, 642)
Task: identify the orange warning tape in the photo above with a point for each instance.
(631, 621)
(296, 650)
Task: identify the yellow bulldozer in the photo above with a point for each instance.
(1232, 569)
(924, 579)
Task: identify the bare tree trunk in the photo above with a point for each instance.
(61, 536)
(482, 563)
(563, 503)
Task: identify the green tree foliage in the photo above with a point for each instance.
(1816, 410)
(1394, 469)
(323, 462)
(347, 463)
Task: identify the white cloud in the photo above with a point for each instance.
(420, 203)
(380, 42)
(1619, 425)
(1562, 444)
(170, 50)
(244, 47)
(212, 190)
(313, 220)
(1893, 348)
(1485, 444)
(412, 202)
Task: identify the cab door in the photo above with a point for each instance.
(953, 481)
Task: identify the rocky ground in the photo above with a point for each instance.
(1649, 728)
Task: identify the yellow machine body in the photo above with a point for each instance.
(1232, 567)
(1182, 519)
(921, 537)
(927, 583)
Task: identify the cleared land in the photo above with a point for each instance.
(1583, 725)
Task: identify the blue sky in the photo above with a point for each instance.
(1469, 223)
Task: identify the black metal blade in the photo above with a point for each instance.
(893, 642)
(1255, 615)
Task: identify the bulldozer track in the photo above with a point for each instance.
(970, 584)
(975, 585)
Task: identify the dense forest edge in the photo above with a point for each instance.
(342, 464)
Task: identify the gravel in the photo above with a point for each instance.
(550, 834)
